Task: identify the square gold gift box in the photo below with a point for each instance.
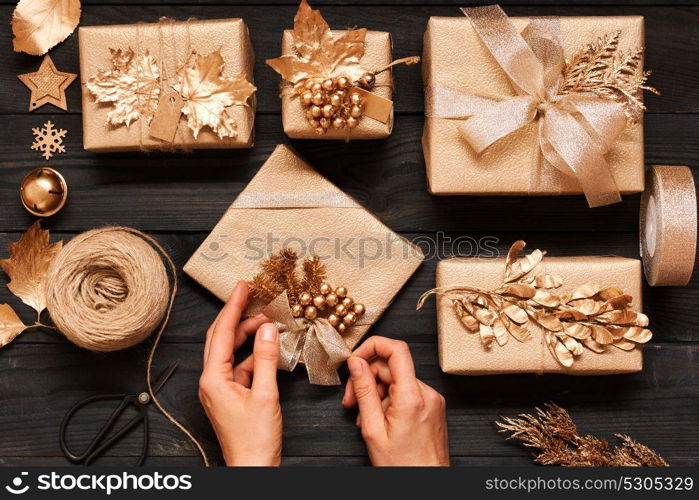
(378, 49)
(289, 204)
(461, 352)
(455, 58)
(171, 43)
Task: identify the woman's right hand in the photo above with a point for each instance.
(403, 420)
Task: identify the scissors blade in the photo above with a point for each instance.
(165, 376)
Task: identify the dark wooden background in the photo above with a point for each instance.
(179, 198)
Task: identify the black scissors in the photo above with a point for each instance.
(101, 442)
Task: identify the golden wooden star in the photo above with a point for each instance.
(48, 85)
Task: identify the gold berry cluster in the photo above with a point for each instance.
(340, 309)
(310, 296)
(333, 102)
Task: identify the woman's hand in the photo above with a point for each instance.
(242, 403)
(403, 420)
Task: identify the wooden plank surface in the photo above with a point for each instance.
(180, 197)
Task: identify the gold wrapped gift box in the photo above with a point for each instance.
(172, 42)
(455, 58)
(289, 204)
(461, 352)
(378, 49)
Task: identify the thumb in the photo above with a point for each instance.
(265, 356)
(367, 395)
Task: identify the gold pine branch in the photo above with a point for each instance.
(602, 69)
(592, 316)
(554, 436)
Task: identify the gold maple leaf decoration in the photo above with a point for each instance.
(318, 54)
(207, 94)
(28, 265)
(38, 25)
(131, 86)
(10, 325)
(592, 316)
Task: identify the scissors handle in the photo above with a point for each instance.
(96, 446)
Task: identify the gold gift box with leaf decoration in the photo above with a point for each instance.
(206, 65)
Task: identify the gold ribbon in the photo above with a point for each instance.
(574, 130)
(321, 345)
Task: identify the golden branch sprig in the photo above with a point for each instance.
(591, 316)
(554, 436)
(279, 273)
(602, 69)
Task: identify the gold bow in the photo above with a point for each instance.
(321, 345)
(575, 130)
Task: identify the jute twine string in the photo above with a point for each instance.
(107, 290)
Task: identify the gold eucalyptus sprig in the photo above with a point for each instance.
(602, 69)
(591, 316)
(554, 436)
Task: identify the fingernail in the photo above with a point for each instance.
(260, 315)
(355, 367)
(269, 333)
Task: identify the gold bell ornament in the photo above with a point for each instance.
(43, 192)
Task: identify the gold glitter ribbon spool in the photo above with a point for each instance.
(668, 226)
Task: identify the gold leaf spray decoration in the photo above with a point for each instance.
(133, 87)
(39, 25)
(310, 296)
(591, 316)
(27, 267)
(325, 72)
(602, 69)
(554, 436)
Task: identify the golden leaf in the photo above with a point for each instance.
(39, 25)
(589, 307)
(484, 316)
(548, 321)
(520, 290)
(466, 319)
(601, 335)
(575, 347)
(593, 345)
(500, 331)
(570, 315)
(546, 299)
(548, 281)
(28, 264)
(610, 292)
(516, 268)
(638, 334)
(563, 355)
(207, 94)
(577, 330)
(10, 325)
(487, 335)
(516, 314)
(318, 54)
(624, 317)
(625, 344)
(521, 333)
(619, 302)
(132, 87)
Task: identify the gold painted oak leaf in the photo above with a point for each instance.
(28, 265)
(207, 94)
(319, 54)
(10, 325)
(39, 25)
(132, 87)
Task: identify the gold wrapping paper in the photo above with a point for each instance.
(454, 57)
(461, 353)
(173, 42)
(377, 54)
(289, 204)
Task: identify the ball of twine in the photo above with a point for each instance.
(107, 289)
